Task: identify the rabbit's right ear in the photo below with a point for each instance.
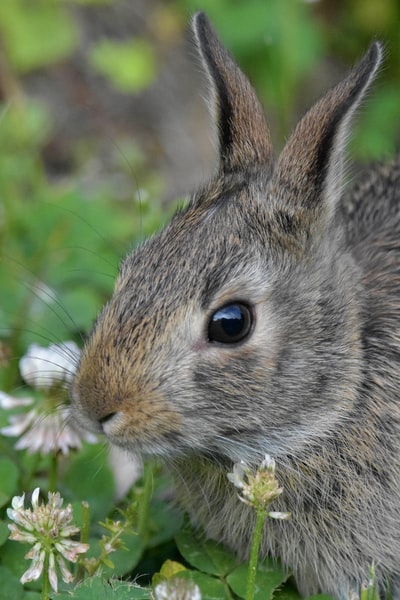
(244, 141)
(309, 171)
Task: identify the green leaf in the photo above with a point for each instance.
(4, 532)
(13, 557)
(169, 569)
(205, 555)
(10, 586)
(210, 587)
(96, 588)
(9, 480)
(89, 478)
(129, 66)
(164, 523)
(268, 578)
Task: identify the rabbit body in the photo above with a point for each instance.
(315, 381)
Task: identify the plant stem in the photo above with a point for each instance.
(84, 537)
(144, 502)
(46, 581)
(255, 548)
(53, 472)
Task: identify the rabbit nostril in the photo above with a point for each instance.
(106, 418)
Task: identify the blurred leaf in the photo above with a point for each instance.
(165, 522)
(13, 557)
(373, 135)
(9, 476)
(36, 33)
(10, 586)
(130, 66)
(4, 532)
(89, 478)
(24, 127)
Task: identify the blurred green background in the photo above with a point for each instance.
(103, 126)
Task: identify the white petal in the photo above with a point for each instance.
(268, 463)
(65, 574)
(283, 516)
(19, 424)
(70, 549)
(52, 573)
(35, 570)
(18, 502)
(21, 536)
(7, 401)
(35, 498)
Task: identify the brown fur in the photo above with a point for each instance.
(315, 384)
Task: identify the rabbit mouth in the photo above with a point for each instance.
(151, 439)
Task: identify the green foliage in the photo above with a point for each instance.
(36, 33)
(61, 242)
(88, 478)
(10, 587)
(9, 477)
(218, 572)
(99, 589)
(130, 66)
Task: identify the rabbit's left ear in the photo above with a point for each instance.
(244, 141)
(309, 172)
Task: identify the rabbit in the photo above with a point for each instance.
(265, 319)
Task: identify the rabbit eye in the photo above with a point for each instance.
(230, 324)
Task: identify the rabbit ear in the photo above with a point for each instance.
(244, 140)
(309, 171)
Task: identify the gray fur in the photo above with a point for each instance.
(316, 385)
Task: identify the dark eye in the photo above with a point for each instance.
(230, 324)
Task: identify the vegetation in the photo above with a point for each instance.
(63, 230)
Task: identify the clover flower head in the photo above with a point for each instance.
(177, 589)
(42, 367)
(258, 489)
(46, 427)
(49, 528)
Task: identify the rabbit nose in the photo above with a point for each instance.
(106, 418)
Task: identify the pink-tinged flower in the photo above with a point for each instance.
(46, 427)
(49, 528)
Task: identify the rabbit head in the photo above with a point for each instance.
(234, 331)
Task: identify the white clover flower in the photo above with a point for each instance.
(44, 367)
(259, 489)
(177, 589)
(49, 528)
(47, 426)
(46, 433)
